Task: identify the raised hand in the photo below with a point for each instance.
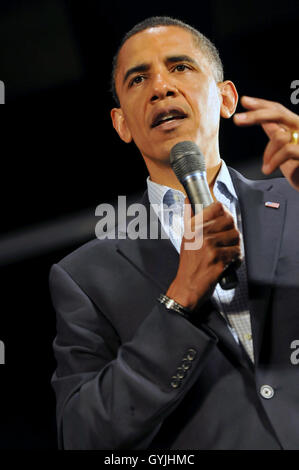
(282, 127)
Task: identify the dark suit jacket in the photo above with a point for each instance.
(118, 349)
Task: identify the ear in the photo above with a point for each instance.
(229, 97)
(120, 125)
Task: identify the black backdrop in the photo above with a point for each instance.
(58, 150)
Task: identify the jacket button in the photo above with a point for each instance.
(180, 373)
(191, 353)
(175, 382)
(266, 391)
(186, 363)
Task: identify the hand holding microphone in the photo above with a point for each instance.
(200, 270)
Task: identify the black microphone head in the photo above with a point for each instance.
(186, 158)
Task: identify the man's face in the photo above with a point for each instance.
(167, 93)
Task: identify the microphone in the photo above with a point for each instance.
(189, 166)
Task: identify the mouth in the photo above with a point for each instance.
(166, 116)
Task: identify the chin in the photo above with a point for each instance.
(160, 151)
(172, 141)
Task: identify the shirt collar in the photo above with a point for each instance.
(160, 194)
(224, 183)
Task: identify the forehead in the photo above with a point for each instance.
(156, 43)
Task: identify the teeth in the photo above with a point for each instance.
(167, 118)
(170, 116)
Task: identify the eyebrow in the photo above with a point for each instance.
(145, 67)
(181, 58)
(137, 68)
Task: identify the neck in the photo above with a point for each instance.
(164, 175)
(212, 174)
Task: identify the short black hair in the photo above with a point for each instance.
(208, 48)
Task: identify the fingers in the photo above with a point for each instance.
(278, 140)
(208, 214)
(214, 226)
(223, 256)
(251, 102)
(227, 238)
(278, 150)
(211, 212)
(278, 123)
(288, 152)
(225, 245)
(265, 115)
(263, 111)
(217, 218)
(220, 224)
(213, 219)
(214, 210)
(271, 128)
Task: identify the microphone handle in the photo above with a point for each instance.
(229, 278)
(198, 192)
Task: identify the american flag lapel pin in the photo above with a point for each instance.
(274, 205)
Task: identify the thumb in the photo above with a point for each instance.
(188, 211)
(188, 214)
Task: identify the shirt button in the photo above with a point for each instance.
(248, 337)
(266, 391)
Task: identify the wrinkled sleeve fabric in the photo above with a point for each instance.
(112, 395)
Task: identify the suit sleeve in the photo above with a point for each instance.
(111, 395)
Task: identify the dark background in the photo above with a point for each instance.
(58, 151)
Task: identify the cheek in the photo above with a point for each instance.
(208, 106)
(213, 104)
(137, 128)
(134, 120)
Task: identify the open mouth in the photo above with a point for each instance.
(166, 116)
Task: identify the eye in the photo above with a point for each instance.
(136, 80)
(181, 67)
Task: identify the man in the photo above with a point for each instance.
(209, 369)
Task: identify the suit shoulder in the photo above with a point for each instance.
(279, 184)
(89, 252)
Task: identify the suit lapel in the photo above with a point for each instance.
(154, 257)
(227, 343)
(262, 231)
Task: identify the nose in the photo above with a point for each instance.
(162, 87)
